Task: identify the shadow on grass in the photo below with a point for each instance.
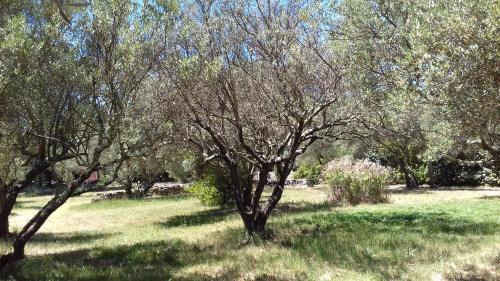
(28, 204)
(490, 197)
(381, 243)
(410, 191)
(71, 237)
(199, 218)
(218, 215)
(144, 261)
(302, 207)
(139, 262)
(125, 202)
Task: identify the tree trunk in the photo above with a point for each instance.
(432, 174)
(4, 225)
(6, 209)
(255, 224)
(38, 220)
(410, 179)
(9, 196)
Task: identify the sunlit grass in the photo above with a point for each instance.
(414, 237)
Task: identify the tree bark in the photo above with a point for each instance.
(127, 186)
(432, 174)
(255, 222)
(9, 196)
(8, 203)
(39, 219)
(410, 179)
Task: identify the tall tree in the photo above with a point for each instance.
(115, 46)
(374, 39)
(259, 86)
(460, 64)
(41, 108)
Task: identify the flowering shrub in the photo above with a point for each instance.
(356, 181)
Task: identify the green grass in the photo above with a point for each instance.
(416, 236)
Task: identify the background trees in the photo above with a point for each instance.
(374, 39)
(408, 65)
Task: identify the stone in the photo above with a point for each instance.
(109, 195)
(168, 189)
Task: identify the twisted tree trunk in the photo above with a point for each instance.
(255, 220)
(39, 219)
(9, 193)
(410, 178)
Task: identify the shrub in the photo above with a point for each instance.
(310, 172)
(205, 189)
(447, 171)
(356, 181)
(422, 174)
(396, 177)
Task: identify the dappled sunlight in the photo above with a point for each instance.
(180, 239)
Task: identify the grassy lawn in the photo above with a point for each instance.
(417, 236)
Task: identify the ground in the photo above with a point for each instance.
(421, 235)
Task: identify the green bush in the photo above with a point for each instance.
(205, 189)
(396, 177)
(422, 174)
(356, 181)
(310, 172)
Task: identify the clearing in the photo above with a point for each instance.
(421, 235)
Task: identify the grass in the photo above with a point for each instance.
(417, 236)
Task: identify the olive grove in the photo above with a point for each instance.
(136, 89)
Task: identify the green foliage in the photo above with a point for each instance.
(181, 166)
(206, 191)
(396, 177)
(422, 174)
(489, 176)
(310, 172)
(356, 182)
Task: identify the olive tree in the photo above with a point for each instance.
(114, 46)
(459, 60)
(40, 113)
(374, 38)
(259, 86)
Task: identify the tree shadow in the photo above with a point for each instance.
(410, 191)
(199, 218)
(218, 215)
(143, 261)
(383, 243)
(303, 207)
(69, 237)
(490, 197)
(464, 188)
(28, 204)
(65, 237)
